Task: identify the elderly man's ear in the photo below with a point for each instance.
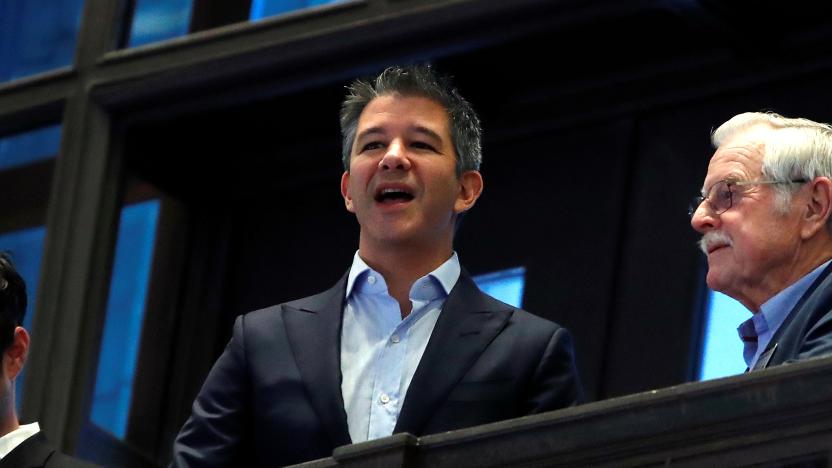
(818, 207)
(14, 358)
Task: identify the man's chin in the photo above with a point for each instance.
(720, 282)
(394, 234)
(714, 281)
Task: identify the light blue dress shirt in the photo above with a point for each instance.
(757, 331)
(379, 350)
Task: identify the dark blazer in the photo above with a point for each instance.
(274, 395)
(807, 330)
(36, 452)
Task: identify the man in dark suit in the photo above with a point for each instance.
(404, 342)
(21, 446)
(767, 231)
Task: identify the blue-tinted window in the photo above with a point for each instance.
(157, 20)
(264, 8)
(721, 346)
(37, 35)
(505, 285)
(29, 147)
(125, 313)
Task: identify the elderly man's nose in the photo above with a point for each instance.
(703, 218)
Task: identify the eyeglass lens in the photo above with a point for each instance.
(719, 197)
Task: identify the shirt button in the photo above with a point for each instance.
(371, 279)
(384, 399)
(395, 338)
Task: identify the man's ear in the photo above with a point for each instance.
(15, 355)
(470, 189)
(818, 207)
(345, 192)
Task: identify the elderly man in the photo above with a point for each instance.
(20, 445)
(404, 342)
(764, 216)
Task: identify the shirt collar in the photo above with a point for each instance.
(446, 274)
(14, 438)
(358, 267)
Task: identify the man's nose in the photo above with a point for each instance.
(703, 218)
(395, 157)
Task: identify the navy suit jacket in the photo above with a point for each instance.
(807, 330)
(274, 395)
(36, 452)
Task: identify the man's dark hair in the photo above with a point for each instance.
(421, 81)
(12, 300)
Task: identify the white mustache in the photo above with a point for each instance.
(712, 238)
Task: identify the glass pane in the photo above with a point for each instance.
(157, 20)
(125, 312)
(29, 147)
(721, 347)
(264, 8)
(37, 35)
(505, 285)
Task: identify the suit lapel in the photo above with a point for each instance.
(468, 323)
(314, 329)
(765, 358)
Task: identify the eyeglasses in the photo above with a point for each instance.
(720, 196)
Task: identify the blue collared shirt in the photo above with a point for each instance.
(757, 331)
(379, 350)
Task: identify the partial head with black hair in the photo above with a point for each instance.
(12, 300)
(14, 339)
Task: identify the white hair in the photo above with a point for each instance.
(793, 149)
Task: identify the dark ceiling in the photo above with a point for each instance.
(546, 64)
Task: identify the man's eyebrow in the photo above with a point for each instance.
(428, 132)
(370, 131)
(730, 178)
(707, 188)
(416, 129)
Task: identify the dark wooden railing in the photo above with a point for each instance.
(780, 417)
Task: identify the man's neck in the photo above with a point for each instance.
(9, 424)
(401, 267)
